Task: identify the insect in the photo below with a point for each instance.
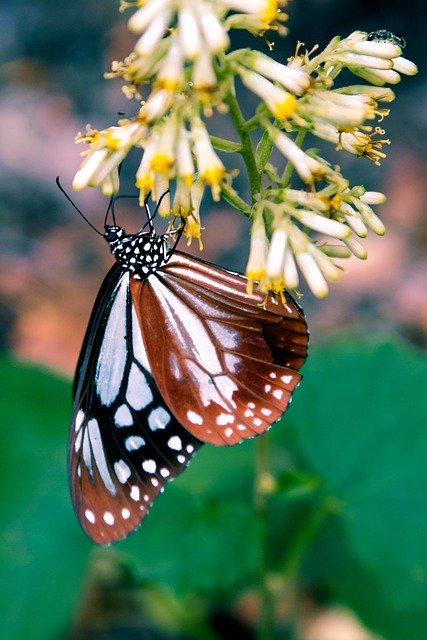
(382, 35)
(176, 354)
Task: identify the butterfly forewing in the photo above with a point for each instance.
(218, 355)
(125, 443)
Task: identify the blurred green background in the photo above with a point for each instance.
(347, 523)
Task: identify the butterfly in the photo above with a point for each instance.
(176, 354)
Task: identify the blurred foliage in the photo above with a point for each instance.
(348, 518)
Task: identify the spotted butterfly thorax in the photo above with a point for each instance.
(176, 354)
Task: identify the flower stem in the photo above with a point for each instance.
(262, 488)
(304, 536)
(246, 151)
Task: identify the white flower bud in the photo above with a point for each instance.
(278, 244)
(402, 65)
(312, 273)
(356, 248)
(373, 197)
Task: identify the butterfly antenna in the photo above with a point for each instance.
(112, 200)
(113, 215)
(150, 217)
(178, 234)
(61, 188)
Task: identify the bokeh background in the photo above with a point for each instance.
(52, 58)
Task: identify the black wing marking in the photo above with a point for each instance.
(124, 443)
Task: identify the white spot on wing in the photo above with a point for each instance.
(228, 432)
(87, 456)
(164, 472)
(99, 455)
(286, 379)
(112, 355)
(79, 419)
(266, 412)
(227, 336)
(125, 514)
(226, 387)
(123, 416)
(175, 443)
(133, 443)
(138, 393)
(181, 459)
(134, 493)
(278, 393)
(90, 516)
(137, 342)
(108, 518)
(190, 448)
(224, 418)
(232, 361)
(78, 441)
(122, 471)
(149, 466)
(257, 422)
(159, 418)
(194, 417)
(154, 482)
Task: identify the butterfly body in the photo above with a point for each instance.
(141, 253)
(176, 354)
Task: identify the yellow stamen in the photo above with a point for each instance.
(285, 108)
(161, 163)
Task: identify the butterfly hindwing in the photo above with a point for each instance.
(224, 361)
(125, 444)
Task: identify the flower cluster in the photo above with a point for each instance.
(336, 212)
(181, 71)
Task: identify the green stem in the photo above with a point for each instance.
(297, 549)
(261, 491)
(246, 151)
(253, 123)
(286, 178)
(231, 196)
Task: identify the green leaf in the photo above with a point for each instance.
(359, 423)
(42, 551)
(229, 146)
(201, 535)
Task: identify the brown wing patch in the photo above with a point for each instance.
(224, 363)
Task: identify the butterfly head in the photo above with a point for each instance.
(141, 253)
(113, 234)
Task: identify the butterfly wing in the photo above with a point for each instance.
(224, 361)
(125, 444)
